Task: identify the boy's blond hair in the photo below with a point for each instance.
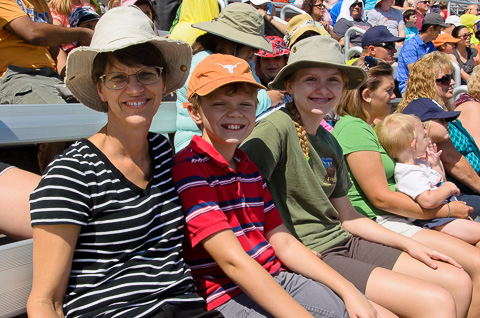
(396, 132)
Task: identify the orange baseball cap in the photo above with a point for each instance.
(218, 70)
(444, 38)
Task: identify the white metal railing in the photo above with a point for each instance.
(346, 46)
(457, 75)
(459, 90)
(290, 7)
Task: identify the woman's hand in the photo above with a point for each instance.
(359, 307)
(460, 209)
(427, 255)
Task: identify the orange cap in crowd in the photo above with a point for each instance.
(445, 38)
(218, 70)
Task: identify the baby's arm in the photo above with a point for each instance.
(433, 198)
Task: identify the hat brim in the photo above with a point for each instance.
(177, 55)
(225, 31)
(392, 39)
(448, 116)
(356, 75)
(213, 85)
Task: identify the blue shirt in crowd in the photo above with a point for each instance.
(411, 52)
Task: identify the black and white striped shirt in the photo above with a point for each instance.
(127, 262)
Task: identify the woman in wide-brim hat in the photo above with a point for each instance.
(107, 224)
(308, 179)
(238, 31)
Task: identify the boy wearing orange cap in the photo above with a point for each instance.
(235, 240)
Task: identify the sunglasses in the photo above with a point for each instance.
(386, 45)
(445, 79)
(466, 35)
(319, 5)
(356, 4)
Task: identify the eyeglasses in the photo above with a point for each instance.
(386, 45)
(445, 79)
(146, 76)
(356, 4)
(466, 35)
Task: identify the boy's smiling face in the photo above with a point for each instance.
(225, 119)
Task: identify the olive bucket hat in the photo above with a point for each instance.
(117, 29)
(241, 23)
(318, 51)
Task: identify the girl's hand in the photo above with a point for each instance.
(359, 307)
(428, 256)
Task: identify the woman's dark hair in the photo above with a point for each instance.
(307, 6)
(141, 54)
(151, 5)
(213, 43)
(456, 31)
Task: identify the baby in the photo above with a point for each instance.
(419, 173)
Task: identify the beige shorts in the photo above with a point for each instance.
(398, 224)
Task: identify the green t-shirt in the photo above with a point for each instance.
(301, 189)
(353, 134)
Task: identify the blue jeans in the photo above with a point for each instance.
(472, 200)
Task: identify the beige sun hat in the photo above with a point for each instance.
(241, 23)
(117, 29)
(318, 51)
(300, 24)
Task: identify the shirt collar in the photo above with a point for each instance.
(203, 147)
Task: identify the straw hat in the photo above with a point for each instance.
(300, 24)
(241, 23)
(318, 51)
(117, 29)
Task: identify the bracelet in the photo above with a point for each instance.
(448, 204)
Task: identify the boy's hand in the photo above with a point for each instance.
(359, 307)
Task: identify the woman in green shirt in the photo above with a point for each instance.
(371, 172)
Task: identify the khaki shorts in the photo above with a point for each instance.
(398, 224)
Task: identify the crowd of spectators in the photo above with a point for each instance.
(407, 50)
